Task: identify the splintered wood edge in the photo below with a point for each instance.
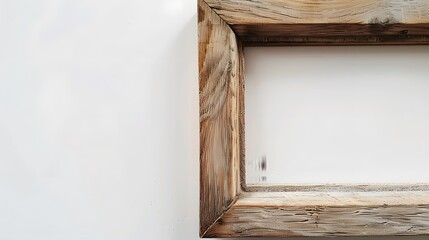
(325, 214)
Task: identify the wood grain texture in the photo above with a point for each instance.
(236, 12)
(326, 214)
(224, 27)
(281, 21)
(219, 120)
(350, 34)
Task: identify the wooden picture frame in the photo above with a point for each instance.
(229, 208)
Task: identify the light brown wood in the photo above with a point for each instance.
(334, 198)
(219, 123)
(229, 208)
(282, 21)
(236, 12)
(325, 214)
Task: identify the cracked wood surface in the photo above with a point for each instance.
(326, 214)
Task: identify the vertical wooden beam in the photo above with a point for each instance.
(219, 116)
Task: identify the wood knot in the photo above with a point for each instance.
(378, 26)
(386, 21)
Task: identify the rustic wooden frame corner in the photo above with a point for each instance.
(228, 208)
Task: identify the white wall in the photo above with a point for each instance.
(98, 120)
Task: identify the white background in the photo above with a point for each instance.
(338, 114)
(99, 120)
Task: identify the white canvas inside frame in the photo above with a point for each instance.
(321, 115)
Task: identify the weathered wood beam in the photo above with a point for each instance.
(219, 121)
(279, 21)
(326, 214)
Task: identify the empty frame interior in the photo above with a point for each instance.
(230, 208)
(337, 115)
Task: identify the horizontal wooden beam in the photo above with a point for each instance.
(294, 214)
(245, 12)
(281, 20)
